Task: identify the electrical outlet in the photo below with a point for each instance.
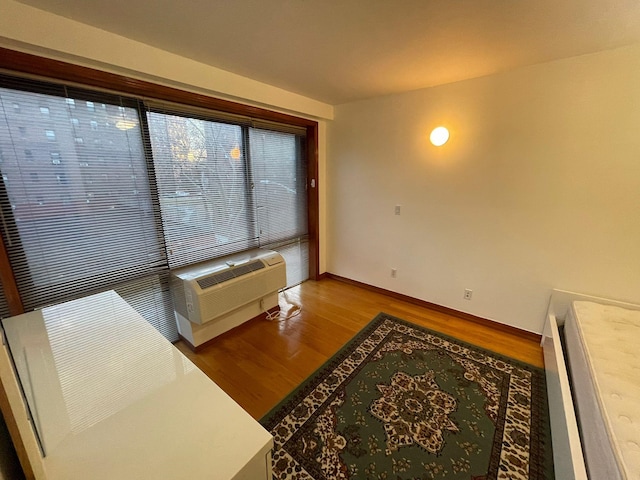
(394, 273)
(468, 293)
(397, 210)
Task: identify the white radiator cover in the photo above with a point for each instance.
(210, 291)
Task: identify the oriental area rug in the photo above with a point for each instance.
(403, 402)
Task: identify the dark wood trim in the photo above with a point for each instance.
(14, 303)
(313, 202)
(26, 63)
(439, 308)
(8, 280)
(199, 348)
(324, 275)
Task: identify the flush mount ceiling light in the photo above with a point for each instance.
(439, 136)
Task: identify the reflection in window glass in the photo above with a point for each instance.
(83, 227)
(279, 184)
(202, 185)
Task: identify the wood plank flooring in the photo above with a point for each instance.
(260, 362)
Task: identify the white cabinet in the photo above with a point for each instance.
(111, 398)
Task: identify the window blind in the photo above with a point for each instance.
(151, 297)
(280, 190)
(4, 308)
(280, 185)
(104, 192)
(203, 185)
(226, 187)
(76, 198)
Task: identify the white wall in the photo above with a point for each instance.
(538, 187)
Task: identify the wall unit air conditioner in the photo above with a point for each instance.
(214, 296)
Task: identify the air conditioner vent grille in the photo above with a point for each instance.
(226, 275)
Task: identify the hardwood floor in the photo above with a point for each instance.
(260, 362)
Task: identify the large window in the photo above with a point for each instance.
(226, 187)
(102, 192)
(203, 187)
(79, 216)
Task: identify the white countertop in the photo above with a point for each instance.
(112, 398)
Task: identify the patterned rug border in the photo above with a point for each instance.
(337, 358)
(516, 439)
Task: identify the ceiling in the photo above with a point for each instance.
(338, 51)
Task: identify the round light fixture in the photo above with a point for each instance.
(439, 136)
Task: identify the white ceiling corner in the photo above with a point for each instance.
(338, 51)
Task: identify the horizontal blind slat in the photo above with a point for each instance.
(86, 212)
(203, 187)
(79, 215)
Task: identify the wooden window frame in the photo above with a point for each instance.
(20, 63)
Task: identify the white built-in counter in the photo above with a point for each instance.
(111, 398)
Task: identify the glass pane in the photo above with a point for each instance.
(280, 176)
(280, 181)
(78, 214)
(202, 183)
